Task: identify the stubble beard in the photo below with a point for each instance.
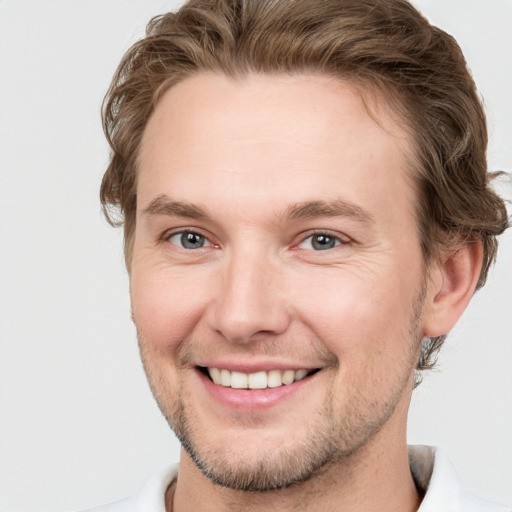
(274, 468)
(329, 441)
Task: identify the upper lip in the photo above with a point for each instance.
(254, 367)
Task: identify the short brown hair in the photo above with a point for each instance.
(384, 45)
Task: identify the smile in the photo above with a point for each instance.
(258, 380)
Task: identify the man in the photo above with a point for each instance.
(307, 212)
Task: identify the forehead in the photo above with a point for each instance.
(295, 138)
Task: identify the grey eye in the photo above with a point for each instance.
(192, 240)
(320, 242)
(188, 240)
(323, 242)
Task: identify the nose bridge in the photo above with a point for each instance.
(249, 300)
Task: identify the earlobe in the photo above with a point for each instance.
(453, 283)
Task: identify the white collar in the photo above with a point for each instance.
(435, 475)
(430, 467)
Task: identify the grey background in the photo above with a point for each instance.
(77, 423)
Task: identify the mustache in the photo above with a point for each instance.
(310, 352)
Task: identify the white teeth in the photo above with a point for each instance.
(300, 374)
(274, 379)
(215, 375)
(239, 380)
(258, 380)
(225, 378)
(288, 376)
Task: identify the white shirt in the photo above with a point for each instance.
(431, 469)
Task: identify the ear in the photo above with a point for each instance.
(451, 285)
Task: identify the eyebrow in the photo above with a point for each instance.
(162, 205)
(336, 208)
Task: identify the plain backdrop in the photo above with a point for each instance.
(78, 425)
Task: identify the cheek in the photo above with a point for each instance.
(165, 307)
(362, 319)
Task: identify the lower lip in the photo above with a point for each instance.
(252, 399)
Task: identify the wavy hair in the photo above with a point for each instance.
(379, 45)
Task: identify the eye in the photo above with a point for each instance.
(189, 240)
(320, 242)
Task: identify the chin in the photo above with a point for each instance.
(276, 466)
(255, 460)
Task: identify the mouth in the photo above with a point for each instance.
(257, 380)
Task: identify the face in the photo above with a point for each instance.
(277, 281)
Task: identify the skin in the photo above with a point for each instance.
(235, 162)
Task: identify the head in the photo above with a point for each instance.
(413, 83)
(377, 46)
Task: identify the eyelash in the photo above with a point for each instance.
(169, 236)
(338, 241)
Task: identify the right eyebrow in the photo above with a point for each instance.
(163, 205)
(336, 208)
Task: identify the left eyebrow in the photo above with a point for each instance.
(336, 208)
(162, 205)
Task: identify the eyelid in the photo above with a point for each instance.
(342, 239)
(167, 235)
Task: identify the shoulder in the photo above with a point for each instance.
(151, 498)
(434, 473)
(431, 468)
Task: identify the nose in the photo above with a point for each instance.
(249, 302)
